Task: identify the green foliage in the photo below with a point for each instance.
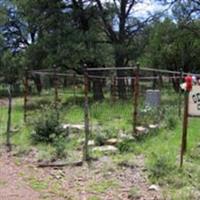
(103, 186)
(160, 166)
(38, 185)
(11, 67)
(93, 198)
(134, 193)
(126, 146)
(194, 153)
(100, 139)
(104, 134)
(170, 117)
(46, 126)
(38, 103)
(172, 45)
(171, 122)
(59, 145)
(149, 115)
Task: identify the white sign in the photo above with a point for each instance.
(194, 101)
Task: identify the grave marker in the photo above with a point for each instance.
(152, 98)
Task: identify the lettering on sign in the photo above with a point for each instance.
(194, 101)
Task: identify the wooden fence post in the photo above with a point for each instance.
(56, 90)
(86, 117)
(25, 94)
(113, 89)
(185, 127)
(8, 143)
(135, 99)
(179, 99)
(74, 86)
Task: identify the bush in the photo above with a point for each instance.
(160, 166)
(46, 126)
(171, 122)
(38, 103)
(126, 146)
(100, 139)
(149, 115)
(170, 117)
(59, 145)
(102, 136)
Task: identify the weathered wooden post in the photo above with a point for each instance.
(55, 90)
(25, 94)
(179, 98)
(8, 143)
(135, 99)
(113, 89)
(86, 116)
(185, 127)
(188, 81)
(74, 86)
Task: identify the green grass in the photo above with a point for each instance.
(161, 149)
(134, 193)
(94, 198)
(38, 185)
(102, 186)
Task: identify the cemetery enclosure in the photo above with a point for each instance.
(109, 119)
(133, 114)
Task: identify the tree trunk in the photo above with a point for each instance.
(97, 83)
(8, 143)
(65, 82)
(160, 81)
(176, 85)
(154, 81)
(119, 62)
(97, 90)
(113, 89)
(38, 83)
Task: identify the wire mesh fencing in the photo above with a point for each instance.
(95, 105)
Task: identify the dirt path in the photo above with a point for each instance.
(12, 185)
(101, 180)
(3, 102)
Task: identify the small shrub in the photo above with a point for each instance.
(59, 145)
(171, 122)
(194, 153)
(38, 103)
(160, 167)
(126, 146)
(46, 126)
(100, 139)
(149, 115)
(103, 135)
(134, 193)
(170, 119)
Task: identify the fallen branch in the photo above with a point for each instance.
(60, 165)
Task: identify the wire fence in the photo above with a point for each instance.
(119, 99)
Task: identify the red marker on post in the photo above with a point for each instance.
(188, 81)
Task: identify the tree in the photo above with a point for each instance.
(121, 27)
(172, 47)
